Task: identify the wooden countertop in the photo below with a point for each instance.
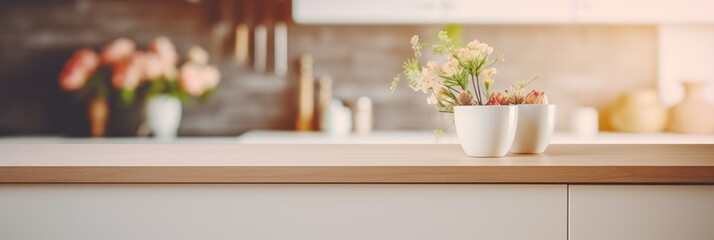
(351, 163)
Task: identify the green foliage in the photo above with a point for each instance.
(395, 83)
(172, 88)
(464, 68)
(412, 72)
(455, 33)
(459, 79)
(127, 96)
(444, 44)
(97, 85)
(516, 93)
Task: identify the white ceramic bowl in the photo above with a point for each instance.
(535, 127)
(485, 131)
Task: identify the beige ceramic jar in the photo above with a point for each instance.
(639, 112)
(694, 114)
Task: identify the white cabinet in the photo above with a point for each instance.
(503, 11)
(507, 11)
(645, 11)
(616, 212)
(366, 11)
(264, 211)
(432, 11)
(356, 211)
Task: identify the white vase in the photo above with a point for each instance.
(535, 127)
(163, 113)
(485, 131)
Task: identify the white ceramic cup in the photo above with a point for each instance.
(485, 131)
(535, 127)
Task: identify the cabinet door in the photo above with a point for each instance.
(366, 11)
(649, 212)
(645, 11)
(259, 211)
(508, 11)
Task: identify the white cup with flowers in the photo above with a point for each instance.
(485, 122)
(536, 118)
(461, 87)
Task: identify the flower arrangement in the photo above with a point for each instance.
(465, 79)
(126, 69)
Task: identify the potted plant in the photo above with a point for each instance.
(485, 121)
(92, 76)
(170, 85)
(536, 118)
(153, 74)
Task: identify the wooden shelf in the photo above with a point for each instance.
(350, 163)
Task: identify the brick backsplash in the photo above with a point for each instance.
(577, 65)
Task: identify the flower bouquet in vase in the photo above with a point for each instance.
(536, 118)
(485, 122)
(169, 85)
(130, 72)
(79, 75)
(94, 76)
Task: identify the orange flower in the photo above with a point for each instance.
(536, 97)
(78, 69)
(118, 51)
(497, 98)
(464, 98)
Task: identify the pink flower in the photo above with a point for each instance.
(191, 79)
(153, 68)
(536, 97)
(78, 69)
(128, 73)
(497, 98)
(117, 51)
(197, 55)
(166, 51)
(196, 79)
(431, 78)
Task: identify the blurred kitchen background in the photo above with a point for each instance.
(587, 54)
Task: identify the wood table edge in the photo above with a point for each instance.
(361, 174)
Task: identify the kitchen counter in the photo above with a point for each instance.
(375, 137)
(539, 197)
(427, 137)
(350, 163)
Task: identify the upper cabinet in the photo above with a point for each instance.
(367, 11)
(506, 11)
(644, 11)
(502, 11)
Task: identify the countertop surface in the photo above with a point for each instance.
(376, 137)
(351, 163)
(427, 137)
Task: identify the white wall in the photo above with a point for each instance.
(686, 53)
